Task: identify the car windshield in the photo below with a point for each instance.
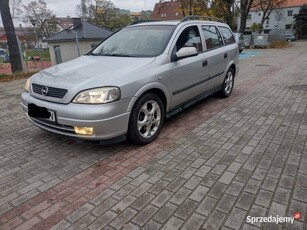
(139, 41)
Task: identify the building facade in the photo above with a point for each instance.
(75, 41)
(167, 10)
(280, 19)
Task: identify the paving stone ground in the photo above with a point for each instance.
(213, 165)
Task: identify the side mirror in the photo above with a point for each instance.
(185, 52)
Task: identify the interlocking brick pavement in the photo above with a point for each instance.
(212, 166)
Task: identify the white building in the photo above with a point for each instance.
(281, 19)
(74, 41)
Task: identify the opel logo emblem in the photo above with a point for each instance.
(44, 91)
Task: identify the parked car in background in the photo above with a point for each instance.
(131, 82)
(288, 37)
(239, 40)
(4, 55)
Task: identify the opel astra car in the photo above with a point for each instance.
(131, 82)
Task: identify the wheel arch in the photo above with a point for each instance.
(156, 88)
(233, 67)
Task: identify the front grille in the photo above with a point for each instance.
(51, 91)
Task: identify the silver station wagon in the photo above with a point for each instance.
(131, 82)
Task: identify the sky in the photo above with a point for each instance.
(62, 9)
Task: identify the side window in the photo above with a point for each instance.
(190, 37)
(227, 35)
(212, 37)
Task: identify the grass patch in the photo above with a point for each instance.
(15, 76)
(278, 43)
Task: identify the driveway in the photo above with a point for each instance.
(217, 165)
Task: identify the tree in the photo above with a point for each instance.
(118, 20)
(146, 15)
(219, 8)
(102, 13)
(300, 21)
(243, 7)
(267, 6)
(229, 11)
(194, 7)
(15, 8)
(256, 27)
(15, 58)
(44, 17)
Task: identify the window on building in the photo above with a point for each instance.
(57, 54)
(290, 12)
(94, 45)
(288, 26)
(249, 17)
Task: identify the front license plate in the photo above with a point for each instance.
(41, 112)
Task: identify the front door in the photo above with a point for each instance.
(189, 75)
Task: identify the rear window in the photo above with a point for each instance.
(212, 37)
(227, 35)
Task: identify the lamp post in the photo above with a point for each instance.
(33, 22)
(77, 41)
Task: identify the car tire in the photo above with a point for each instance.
(228, 83)
(146, 119)
(240, 50)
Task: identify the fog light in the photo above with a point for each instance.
(84, 130)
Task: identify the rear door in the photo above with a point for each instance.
(228, 53)
(217, 55)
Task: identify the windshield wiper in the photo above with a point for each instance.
(93, 54)
(118, 55)
(111, 54)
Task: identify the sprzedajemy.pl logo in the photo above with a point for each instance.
(274, 219)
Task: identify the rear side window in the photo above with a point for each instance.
(227, 35)
(212, 37)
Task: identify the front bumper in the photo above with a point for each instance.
(108, 120)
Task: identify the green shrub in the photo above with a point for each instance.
(279, 43)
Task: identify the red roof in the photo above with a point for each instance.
(3, 38)
(287, 4)
(170, 10)
(291, 3)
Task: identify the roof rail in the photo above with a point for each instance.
(143, 21)
(196, 17)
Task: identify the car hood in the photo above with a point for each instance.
(88, 72)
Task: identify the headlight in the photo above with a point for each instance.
(27, 85)
(98, 96)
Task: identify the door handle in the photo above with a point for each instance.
(205, 63)
(225, 55)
